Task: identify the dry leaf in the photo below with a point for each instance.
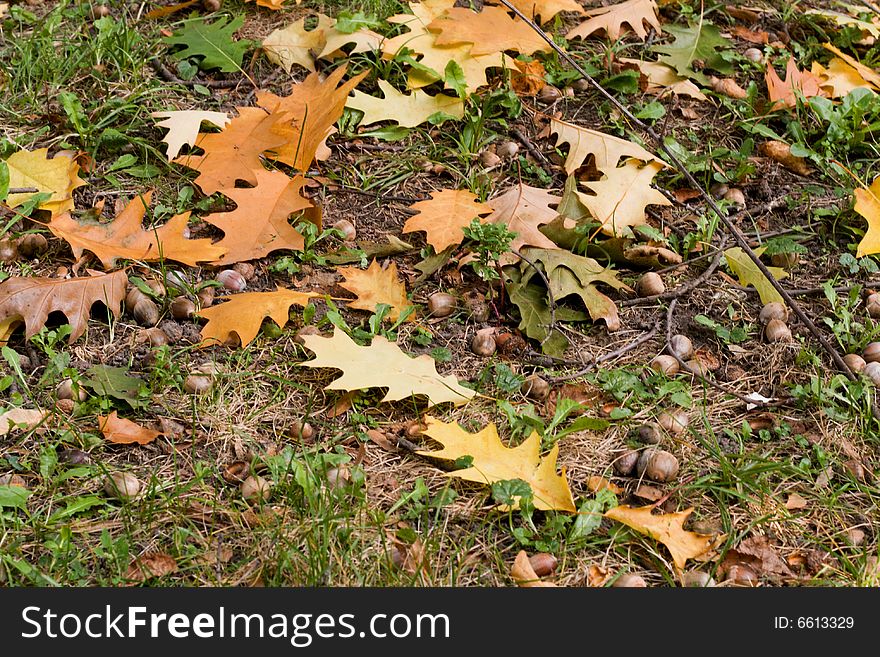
(596, 483)
(523, 573)
(757, 553)
(492, 30)
(839, 79)
(375, 285)
(444, 215)
(749, 274)
(269, 4)
(162, 12)
(660, 78)
(125, 237)
(622, 195)
(845, 20)
(244, 313)
(492, 462)
(796, 82)
(528, 78)
(546, 9)
(149, 565)
(123, 432)
(668, 528)
(383, 365)
(868, 205)
(597, 576)
(260, 223)
(364, 40)
(234, 153)
(868, 74)
(407, 110)
(611, 19)
(751, 36)
(795, 502)
(728, 87)
(21, 418)
(524, 209)
(58, 176)
(183, 127)
(606, 149)
(32, 299)
(294, 44)
(781, 152)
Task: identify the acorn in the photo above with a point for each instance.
(696, 367)
(650, 433)
(872, 305)
(665, 364)
(697, 579)
(549, 94)
(122, 485)
(338, 477)
(625, 462)
(718, 190)
(156, 337)
(871, 354)
(32, 245)
(67, 389)
(674, 422)
(100, 11)
(477, 306)
(255, 489)
(507, 149)
(8, 251)
(581, 84)
(650, 284)
(535, 388)
(489, 159)
(735, 196)
(301, 430)
(681, 346)
(205, 296)
(198, 384)
(236, 472)
(854, 362)
(231, 280)
(65, 406)
(483, 343)
(753, 55)
(182, 308)
(212, 5)
(176, 280)
(543, 564)
(441, 304)
(872, 371)
(134, 295)
(145, 312)
(777, 331)
(784, 260)
(773, 310)
(630, 581)
(657, 465)
(12, 480)
(349, 232)
(246, 269)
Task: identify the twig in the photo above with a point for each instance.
(376, 196)
(166, 74)
(642, 339)
(738, 237)
(530, 147)
(22, 190)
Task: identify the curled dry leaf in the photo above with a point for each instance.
(375, 285)
(123, 432)
(781, 152)
(150, 565)
(523, 573)
(57, 176)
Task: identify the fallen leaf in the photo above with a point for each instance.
(700, 42)
(150, 565)
(795, 502)
(123, 432)
(375, 285)
(33, 298)
(293, 44)
(269, 4)
(597, 483)
(597, 576)
(162, 12)
(749, 274)
(524, 575)
(867, 73)
(244, 313)
(528, 78)
(492, 30)
(21, 419)
(839, 79)
(260, 223)
(383, 365)
(757, 553)
(668, 528)
(523, 209)
(606, 149)
(751, 36)
(444, 215)
(546, 9)
(620, 198)
(234, 153)
(611, 19)
(728, 87)
(407, 110)
(125, 237)
(183, 127)
(109, 381)
(364, 40)
(214, 44)
(660, 78)
(868, 205)
(781, 152)
(493, 462)
(845, 20)
(785, 93)
(57, 176)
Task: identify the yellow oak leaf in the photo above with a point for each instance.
(407, 110)
(839, 78)
(660, 79)
(749, 274)
(845, 20)
(7, 328)
(866, 72)
(234, 153)
(183, 127)
(492, 462)
(606, 149)
(124, 432)
(620, 198)
(546, 9)
(269, 4)
(523, 209)
(611, 19)
(383, 365)
(492, 30)
(868, 205)
(375, 285)
(57, 176)
(364, 40)
(444, 216)
(125, 237)
(243, 314)
(796, 83)
(260, 222)
(668, 528)
(293, 44)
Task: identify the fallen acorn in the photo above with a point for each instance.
(784, 260)
(872, 305)
(145, 312)
(441, 304)
(777, 331)
(854, 362)
(697, 579)
(338, 478)
(205, 296)
(543, 564)
(658, 465)
(507, 149)
(735, 196)
(300, 430)
(535, 388)
(483, 343)
(32, 245)
(871, 353)
(773, 310)
(872, 371)
(681, 347)
(198, 384)
(347, 229)
(246, 269)
(753, 55)
(182, 308)
(650, 284)
(549, 94)
(489, 159)
(122, 485)
(231, 280)
(674, 422)
(67, 389)
(650, 433)
(630, 581)
(625, 463)
(665, 364)
(255, 488)
(8, 251)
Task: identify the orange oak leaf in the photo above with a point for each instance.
(524, 209)
(125, 237)
(234, 152)
(31, 299)
(123, 432)
(444, 216)
(310, 111)
(611, 19)
(785, 93)
(243, 314)
(260, 224)
(269, 4)
(491, 30)
(546, 9)
(375, 285)
(867, 73)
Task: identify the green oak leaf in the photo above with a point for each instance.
(701, 42)
(213, 42)
(748, 273)
(107, 381)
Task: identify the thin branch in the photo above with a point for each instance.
(22, 190)
(642, 339)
